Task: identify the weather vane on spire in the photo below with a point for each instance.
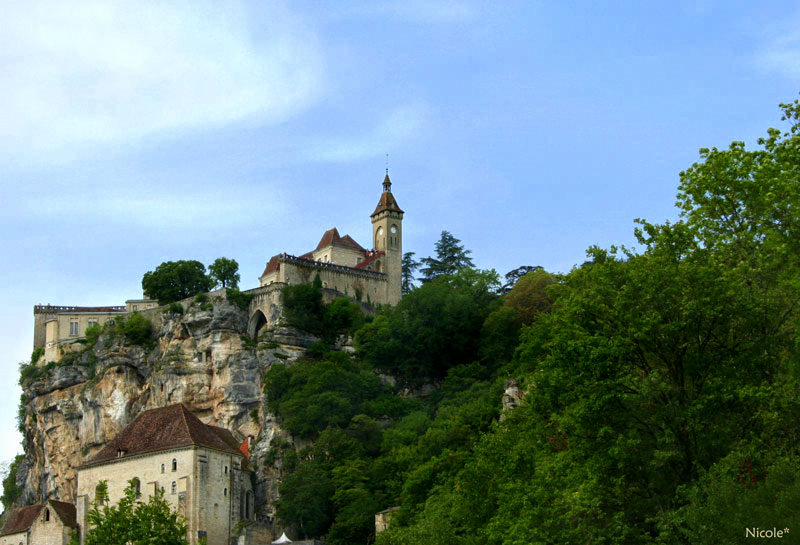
(387, 164)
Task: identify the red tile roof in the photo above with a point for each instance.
(21, 519)
(370, 259)
(165, 428)
(66, 512)
(272, 265)
(331, 237)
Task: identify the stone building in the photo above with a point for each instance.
(51, 523)
(373, 275)
(202, 470)
(58, 328)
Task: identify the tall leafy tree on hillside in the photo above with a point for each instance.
(409, 266)
(450, 257)
(175, 280)
(224, 272)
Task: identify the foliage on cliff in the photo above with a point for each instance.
(662, 396)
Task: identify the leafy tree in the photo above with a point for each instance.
(224, 272)
(514, 275)
(529, 297)
(409, 266)
(136, 328)
(431, 329)
(303, 307)
(450, 257)
(11, 492)
(133, 521)
(305, 500)
(176, 280)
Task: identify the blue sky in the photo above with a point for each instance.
(134, 133)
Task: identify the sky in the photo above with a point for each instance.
(137, 133)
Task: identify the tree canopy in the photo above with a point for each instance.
(450, 257)
(134, 521)
(224, 272)
(175, 280)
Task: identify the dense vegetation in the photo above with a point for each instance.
(661, 387)
(132, 520)
(172, 281)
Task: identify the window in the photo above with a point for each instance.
(225, 492)
(47, 515)
(73, 327)
(174, 487)
(135, 307)
(226, 470)
(162, 465)
(137, 484)
(92, 322)
(174, 464)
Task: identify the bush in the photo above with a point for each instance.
(10, 489)
(201, 298)
(21, 413)
(137, 329)
(175, 308)
(238, 298)
(36, 354)
(92, 334)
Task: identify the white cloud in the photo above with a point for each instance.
(104, 71)
(419, 11)
(402, 125)
(782, 55)
(154, 210)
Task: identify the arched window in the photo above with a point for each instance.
(137, 485)
(47, 515)
(225, 492)
(226, 470)
(174, 464)
(100, 492)
(174, 487)
(162, 468)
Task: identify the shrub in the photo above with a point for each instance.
(10, 489)
(21, 413)
(175, 308)
(201, 298)
(36, 354)
(137, 329)
(92, 334)
(238, 298)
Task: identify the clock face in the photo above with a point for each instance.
(380, 230)
(393, 229)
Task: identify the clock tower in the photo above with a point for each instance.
(387, 237)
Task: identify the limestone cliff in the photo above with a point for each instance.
(202, 358)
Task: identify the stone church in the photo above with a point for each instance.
(373, 276)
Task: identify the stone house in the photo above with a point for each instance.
(50, 523)
(202, 470)
(59, 328)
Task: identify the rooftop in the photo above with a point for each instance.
(162, 429)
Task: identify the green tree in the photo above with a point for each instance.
(133, 521)
(450, 257)
(514, 275)
(431, 329)
(306, 499)
(11, 492)
(175, 280)
(409, 266)
(224, 272)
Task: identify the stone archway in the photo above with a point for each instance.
(256, 322)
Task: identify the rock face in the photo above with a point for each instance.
(202, 358)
